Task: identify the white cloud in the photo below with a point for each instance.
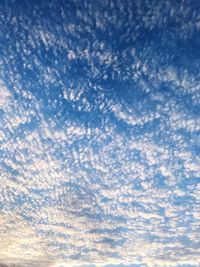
(5, 96)
(87, 185)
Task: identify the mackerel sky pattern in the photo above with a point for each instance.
(99, 133)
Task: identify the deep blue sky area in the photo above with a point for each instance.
(100, 133)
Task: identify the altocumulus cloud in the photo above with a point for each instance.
(99, 133)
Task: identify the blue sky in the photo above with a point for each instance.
(99, 133)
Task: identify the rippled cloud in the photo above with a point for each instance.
(99, 135)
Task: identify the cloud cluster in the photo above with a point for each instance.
(99, 140)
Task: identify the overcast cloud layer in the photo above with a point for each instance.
(99, 133)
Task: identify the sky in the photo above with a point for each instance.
(99, 133)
